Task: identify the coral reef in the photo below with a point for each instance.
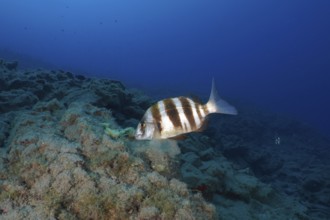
(67, 152)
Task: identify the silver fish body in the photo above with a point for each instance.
(172, 117)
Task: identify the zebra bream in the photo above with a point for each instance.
(172, 117)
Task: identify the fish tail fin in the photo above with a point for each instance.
(218, 105)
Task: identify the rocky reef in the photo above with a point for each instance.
(287, 154)
(67, 152)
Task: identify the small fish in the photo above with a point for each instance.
(173, 117)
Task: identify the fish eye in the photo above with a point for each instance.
(143, 125)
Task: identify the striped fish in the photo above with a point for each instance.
(172, 117)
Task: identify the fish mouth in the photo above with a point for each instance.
(138, 136)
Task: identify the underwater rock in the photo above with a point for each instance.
(51, 106)
(134, 111)
(3, 85)
(191, 158)
(132, 122)
(61, 155)
(53, 166)
(16, 99)
(207, 154)
(43, 76)
(161, 154)
(64, 76)
(263, 163)
(4, 131)
(80, 77)
(140, 99)
(313, 185)
(150, 212)
(9, 65)
(236, 189)
(110, 94)
(191, 175)
(59, 161)
(21, 84)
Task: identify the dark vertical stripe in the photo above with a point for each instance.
(206, 110)
(188, 112)
(197, 106)
(172, 113)
(156, 116)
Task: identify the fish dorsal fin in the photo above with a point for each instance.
(195, 98)
(218, 105)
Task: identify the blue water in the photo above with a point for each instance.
(275, 54)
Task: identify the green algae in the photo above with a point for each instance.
(119, 133)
